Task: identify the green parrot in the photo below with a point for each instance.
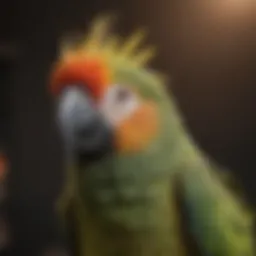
(132, 167)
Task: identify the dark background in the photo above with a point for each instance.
(208, 48)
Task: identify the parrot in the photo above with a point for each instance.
(136, 182)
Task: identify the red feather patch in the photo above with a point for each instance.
(3, 166)
(89, 71)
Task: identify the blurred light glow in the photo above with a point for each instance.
(236, 6)
(229, 12)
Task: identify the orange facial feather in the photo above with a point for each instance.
(89, 71)
(3, 166)
(137, 132)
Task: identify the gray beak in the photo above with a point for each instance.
(84, 130)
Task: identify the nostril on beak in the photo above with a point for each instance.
(95, 144)
(88, 129)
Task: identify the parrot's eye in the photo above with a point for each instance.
(118, 104)
(123, 94)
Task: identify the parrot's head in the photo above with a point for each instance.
(108, 101)
(114, 113)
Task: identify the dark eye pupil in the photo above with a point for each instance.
(123, 94)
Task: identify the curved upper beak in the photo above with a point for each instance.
(84, 130)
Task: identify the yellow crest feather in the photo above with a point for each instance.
(130, 46)
(98, 32)
(100, 40)
(111, 45)
(145, 56)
